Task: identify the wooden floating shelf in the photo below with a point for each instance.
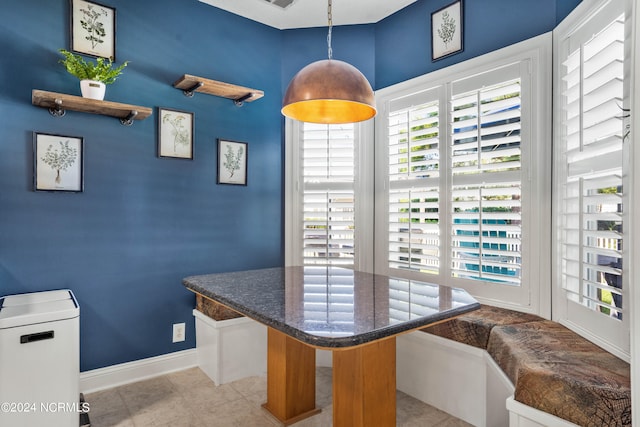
(239, 94)
(57, 103)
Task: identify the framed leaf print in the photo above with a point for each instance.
(58, 162)
(446, 31)
(175, 133)
(93, 29)
(232, 162)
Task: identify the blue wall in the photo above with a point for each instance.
(142, 223)
(403, 40)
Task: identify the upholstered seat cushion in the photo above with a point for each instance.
(473, 328)
(214, 310)
(559, 372)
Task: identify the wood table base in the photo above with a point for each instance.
(364, 385)
(291, 378)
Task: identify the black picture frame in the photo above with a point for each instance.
(58, 162)
(92, 29)
(175, 133)
(447, 31)
(232, 162)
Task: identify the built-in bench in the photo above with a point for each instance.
(552, 369)
(467, 366)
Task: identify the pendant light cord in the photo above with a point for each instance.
(330, 50)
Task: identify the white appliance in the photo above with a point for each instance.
(40, 360)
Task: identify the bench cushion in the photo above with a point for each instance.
(557, 371)
(214, 310)
(473, 328)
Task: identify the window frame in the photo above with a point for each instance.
(586, 322)
(363, 193)
(532, 296)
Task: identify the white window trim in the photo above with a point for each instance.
(634, 228)
(535, 296)
(583, 321)
(363, 190)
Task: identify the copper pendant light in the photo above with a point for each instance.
(329, 91)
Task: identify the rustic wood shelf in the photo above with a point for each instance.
(239, 94)
(57, 103)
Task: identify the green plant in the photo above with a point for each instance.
(100, 70)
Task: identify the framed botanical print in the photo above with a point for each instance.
(232, 162)
(58, 162)
(446, 31)
(93, 29)
(175, 133)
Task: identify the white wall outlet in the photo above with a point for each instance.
(178, 332)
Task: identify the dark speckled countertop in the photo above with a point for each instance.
(332, 307)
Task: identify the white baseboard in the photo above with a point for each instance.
(125, 373)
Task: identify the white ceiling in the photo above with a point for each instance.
(312, 13)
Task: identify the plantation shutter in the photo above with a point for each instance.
(592, 149)
(328, 177)
(485, 174)
(414, 180)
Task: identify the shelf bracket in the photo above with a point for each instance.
(240, 101)
(128, 121)
(57, 111)
(190, 91)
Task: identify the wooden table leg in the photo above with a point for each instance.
(291, 378)
(364, 385)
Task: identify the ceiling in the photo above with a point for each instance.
(311, 13)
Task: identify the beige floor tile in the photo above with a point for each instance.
(171, 411)
(455, 422)
(106, 404)
(189, 378)
(237, 413)
(189, 398)
(324, 386)
(145, 394)
(410, 411)
(210, 396)
(250, 385)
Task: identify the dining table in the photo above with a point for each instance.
(356, 315)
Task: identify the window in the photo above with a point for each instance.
(486, 224)
(462, 177)
(591, 196)
(328, 175)
(327, 218)
(414, 169)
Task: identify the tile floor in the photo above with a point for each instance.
(189, 398)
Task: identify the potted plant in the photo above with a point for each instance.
(94, 76)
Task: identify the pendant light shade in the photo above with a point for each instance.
(329, 91)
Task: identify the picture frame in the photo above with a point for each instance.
(447, 32)
(58, 162)
(93, 29)
(232, 162)
(175, 133)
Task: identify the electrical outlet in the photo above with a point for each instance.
(178, 332)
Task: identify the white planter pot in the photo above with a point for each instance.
(92, 89)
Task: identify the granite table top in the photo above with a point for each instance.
(332, 307)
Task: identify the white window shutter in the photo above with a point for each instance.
(591, 176)
(328, 199)
(485, 201)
